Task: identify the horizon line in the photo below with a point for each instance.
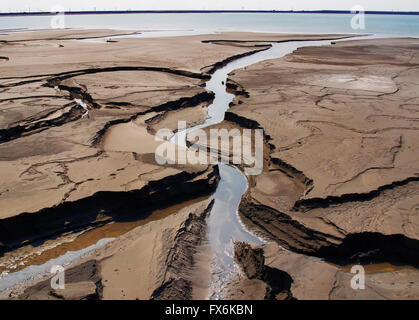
(82, 12)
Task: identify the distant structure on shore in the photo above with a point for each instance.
(206, 11)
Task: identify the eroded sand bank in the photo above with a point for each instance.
(340, 185)
(341, 120)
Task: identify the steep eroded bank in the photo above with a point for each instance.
(343, 131)
(60, 173)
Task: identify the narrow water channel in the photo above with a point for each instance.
(224, 224)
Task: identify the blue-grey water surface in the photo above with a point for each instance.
(216, 22)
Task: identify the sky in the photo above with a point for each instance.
(48, 5)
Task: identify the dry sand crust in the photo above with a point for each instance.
(342, 177)
(151, 261)
(66, 164)
(270, 272)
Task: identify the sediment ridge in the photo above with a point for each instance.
(252, 262)
(339, 184)
(105, 207)
(180, 261)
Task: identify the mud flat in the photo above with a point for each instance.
(340, 185)
(77, 124)
(151, 261)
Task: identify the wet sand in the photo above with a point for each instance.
(342, 124)
(332, 105)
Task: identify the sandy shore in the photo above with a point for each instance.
(339, 182)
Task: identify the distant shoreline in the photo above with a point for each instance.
(203, 11)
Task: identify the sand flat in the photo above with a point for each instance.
(341, 121)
